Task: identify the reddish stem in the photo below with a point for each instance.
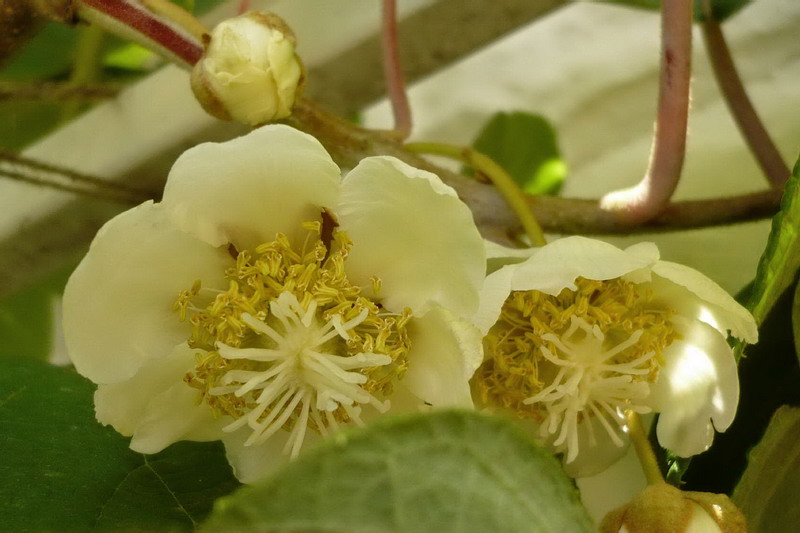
(758, 140)
(393, 72)
(144, 22)
(244, 6)
(648, 198)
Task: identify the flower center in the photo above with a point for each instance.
(587, 354)
(292, 344)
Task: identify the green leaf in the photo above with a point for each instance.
(767, 492)
(525, 146)
(188, 5)
(778, 266)
(62, 471)
(47, 55)
(170, 491)
(204, 6)
(26, 318)
(443, 472)
(26, 323)
(130, 56)
(721, 9)
(796, 320)
(22, 122)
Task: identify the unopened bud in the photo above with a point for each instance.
(249, 71)
(663, 508)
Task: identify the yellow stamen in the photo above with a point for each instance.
(589, 352)
(293, 341)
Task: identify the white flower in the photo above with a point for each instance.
(581, 332)
(249, 71)
(267, 300)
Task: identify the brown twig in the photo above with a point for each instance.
(100, 194)
(350, 143)
(21, 168)
(752, 129)
(650, 196)
(56, 91)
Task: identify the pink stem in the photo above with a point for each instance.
(244, 6)
(758, 140)
(392, 71)
(149, 26)
(648, 198)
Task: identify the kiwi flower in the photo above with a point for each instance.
(267, 301)
(581, 332)
(249, 71)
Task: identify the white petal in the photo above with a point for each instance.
(498, 251)
(412, 231)
(592, 458)
(163, 408)
(648, 251)
(717, 308)
(175, 415)
(251, 463)
(118, 304)
(246, 190)
(555, 267)
(123, 405)
(444, 354)
(402, 400)
(626, 478)
(496, 289)
(698, 384)
(595, 458)
(498, 256)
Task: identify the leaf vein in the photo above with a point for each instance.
(111, 496)
(14, 393)
(171, 493)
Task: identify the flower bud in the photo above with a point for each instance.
(663, 508)
(249, 71)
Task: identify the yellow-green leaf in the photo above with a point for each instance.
(768, 491)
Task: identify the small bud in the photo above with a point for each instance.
(249, 71)
(663, 508)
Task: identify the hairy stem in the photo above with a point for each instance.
(755, 134)
(167, 30)
(393, 72)
(649, 198)
(87, 66)
(644, 451)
